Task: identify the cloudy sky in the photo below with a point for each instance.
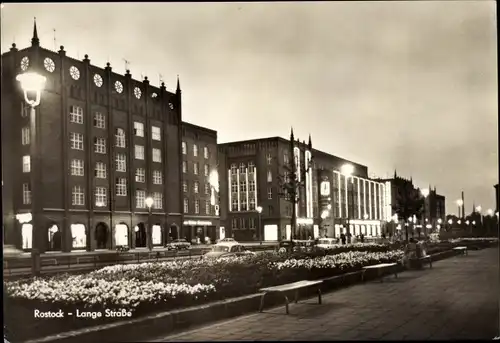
(405, 85)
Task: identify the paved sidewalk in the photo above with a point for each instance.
(458, 299)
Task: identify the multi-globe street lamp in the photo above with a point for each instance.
(347, 170)
(149, 233)
(259, 211)
(33, 83)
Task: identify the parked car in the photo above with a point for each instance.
(229, 239)
(227, 249)
(327, 243)
(179, 244)
(296, 245)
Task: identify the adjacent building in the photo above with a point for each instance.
(255, 207)
(199, 184)
(497, 198)
(103, 145)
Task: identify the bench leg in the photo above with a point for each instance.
(296, 296)
(261, 308)
(380, 275)
(319, 296)
(430, 263)
(363, 275)
(286, 305)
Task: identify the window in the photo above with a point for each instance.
(138, 129)
(242, 223)
(234, 186)
(121, 186)
(155, 133)
(157, 200)
(26, 194)
(243, 186)
(251, 167)
(26, 164)
(206, 168)
(121, 162)
(140, 175)
(120, 138)
(100, 196)
(243, 205)
(99, 120)
(234, 223)
(205, 152)
(251, 204)
(77, 196)
(234, 169)
(269, 176)
(156, 155)
(285, 159)
(207, 188)
(269, 159)
(184, 186)
(196, 187)
(195, 168)
(100, 170)
(251, 186)
(207, 206)
(195, 150)
(243, 168)
(197, 206)
(76, 114)
(184, 167)
(139, 152)
(234, 205)
(140, 197)
(184, 148)
(25, 135)
(286, 177)
(157, 177)
(77, 167)
(186, 205)
(251, 223)
(100, 145)
(76, 141)
(270, 193)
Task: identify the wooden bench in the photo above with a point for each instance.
(426, 258)
(463, 250)
(295, 286)
(380, 267)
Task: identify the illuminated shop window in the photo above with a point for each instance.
(79, 236)
(27, 235)
(156, 232)
(121, 235)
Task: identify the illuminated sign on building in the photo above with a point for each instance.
(197, 222)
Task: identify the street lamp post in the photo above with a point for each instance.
(347, 170)
(425, 194)
(259, 210)
(33, 83)
(149, 234)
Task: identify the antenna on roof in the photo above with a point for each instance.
(127, 64)
(55, 42)
(160, 77)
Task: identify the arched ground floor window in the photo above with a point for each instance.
(54, 238)
(156, 234)
(101, 235)
(27, 236)
(121, 235)
(79, 235)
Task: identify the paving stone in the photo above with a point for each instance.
(457, 299)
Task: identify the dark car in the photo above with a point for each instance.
(179, 244)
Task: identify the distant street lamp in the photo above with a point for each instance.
(149, 234)
(259, 210)
(425, 193)
(33, 83)
(347, 170)
(489, 212)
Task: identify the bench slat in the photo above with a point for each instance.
(290, 286)
(381, 265)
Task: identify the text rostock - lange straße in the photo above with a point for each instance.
(108, 313)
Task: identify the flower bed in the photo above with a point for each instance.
(150, 287)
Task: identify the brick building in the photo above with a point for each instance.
(250, 172)
(199, 165)
(105, 143)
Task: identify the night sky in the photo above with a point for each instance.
(405, 85)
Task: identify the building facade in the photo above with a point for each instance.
(497, 198)
(199, 184)
(253, 172)
(105, 143)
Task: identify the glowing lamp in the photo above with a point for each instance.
(149, 202)
(425, 192)
(31, 82)
(450, 221)
(490, 212)
(460, 202)
(347, 169)
(213, 179)
(259, 209)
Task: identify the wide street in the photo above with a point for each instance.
(457, 299)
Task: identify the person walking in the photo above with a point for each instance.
(343, 238)
(362, 238)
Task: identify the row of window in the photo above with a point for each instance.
(208, 206)
(196, 187)
(195, 150)
(196, 168)
(243, 223)
(243, 168)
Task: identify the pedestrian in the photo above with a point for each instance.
(362, 238)
(343, 238)
(349, 238)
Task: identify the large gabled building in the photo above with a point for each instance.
(105, 143)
